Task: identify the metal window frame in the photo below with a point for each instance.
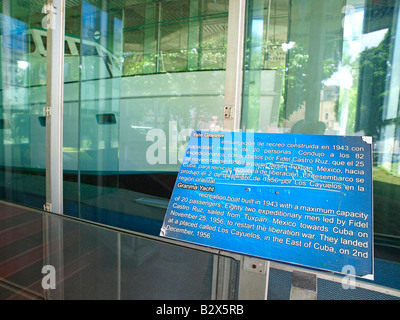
(234, 65)
(253, 272)
(53, 230)
(54, 107)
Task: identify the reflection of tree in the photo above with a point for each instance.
(206, 51)
(297, 66)
(372, 85)
(296, 75)
(177, 61)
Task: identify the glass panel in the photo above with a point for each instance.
(21, 252)
(99, 263)
(22, 98)
(332, 67)
(140, 76)
(157, 268)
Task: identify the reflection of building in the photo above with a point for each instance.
(328, 110)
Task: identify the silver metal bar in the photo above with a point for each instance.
(249, 277)
(55, 13)
(119, 278)
(234, 64)
(54, 22)
(6, 87)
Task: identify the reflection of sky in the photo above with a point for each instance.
(94, 19)
(341, 78)
(354, 43)
(353, 36)
(14, 33)
(352, 32)
(257, 29)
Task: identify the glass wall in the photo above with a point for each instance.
(331, 67)
(139, 77)
(22, 98)
(98, 263)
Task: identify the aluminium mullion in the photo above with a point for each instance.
(234, 64)
(54, 243)
(252, 283)
(54, 101)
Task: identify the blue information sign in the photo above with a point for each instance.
(302, 199)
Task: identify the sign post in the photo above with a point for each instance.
(301, 199)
